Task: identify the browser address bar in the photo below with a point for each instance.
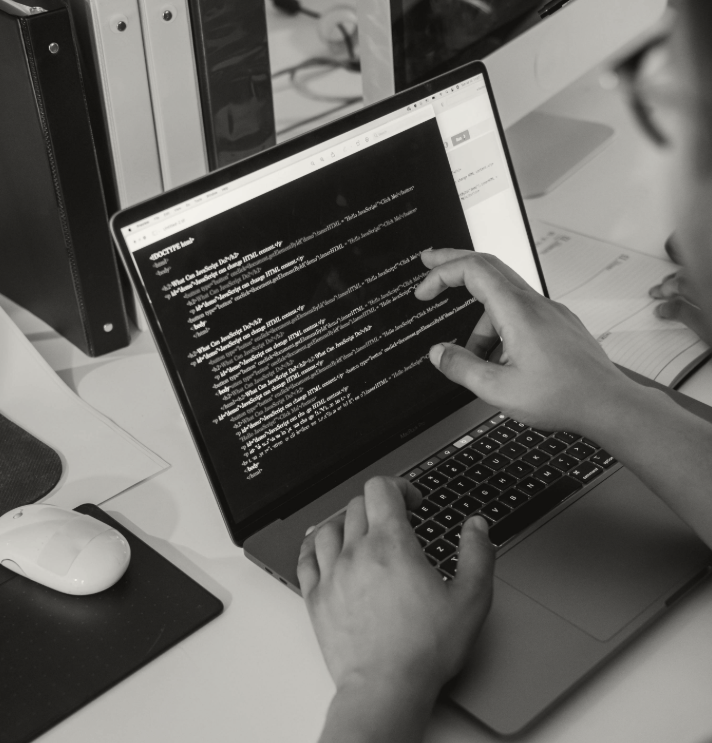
(227, 197)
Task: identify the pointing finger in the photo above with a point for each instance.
(475, 566)
(501, 297)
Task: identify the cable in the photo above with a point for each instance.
(294, 7)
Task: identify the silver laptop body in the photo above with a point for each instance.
(279, 292)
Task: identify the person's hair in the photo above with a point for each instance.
(699, 30)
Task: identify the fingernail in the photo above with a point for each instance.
(436, 353)
(480, 523)
(310, 530)
(661, 311)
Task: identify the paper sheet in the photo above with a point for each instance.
(99, 459)
(607, 287)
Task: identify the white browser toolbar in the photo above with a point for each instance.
(207, 205)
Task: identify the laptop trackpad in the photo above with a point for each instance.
(606, 558)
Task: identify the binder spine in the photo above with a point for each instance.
(63, 114)
(173, 82)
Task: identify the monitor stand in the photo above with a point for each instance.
(546, 149)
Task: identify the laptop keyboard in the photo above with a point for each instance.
(507, 472)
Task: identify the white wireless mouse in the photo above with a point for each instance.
(62, 549)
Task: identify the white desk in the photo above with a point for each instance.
(256, 673)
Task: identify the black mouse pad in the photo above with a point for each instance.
(29, 469)
(58, 652)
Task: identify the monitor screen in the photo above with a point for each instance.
(433, 36)
(283, 298)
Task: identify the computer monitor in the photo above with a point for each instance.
(540, 56)
(532, 49)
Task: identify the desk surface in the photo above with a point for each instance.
(256, 673)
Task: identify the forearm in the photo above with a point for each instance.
(379, 712)
(669, 448)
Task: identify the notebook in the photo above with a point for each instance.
(280, 294)
(607, 285)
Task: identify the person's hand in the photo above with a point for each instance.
(679, 303)
(552, 373)
(383, 616)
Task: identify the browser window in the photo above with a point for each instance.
(285, 297)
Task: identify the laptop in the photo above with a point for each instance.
(279, 291)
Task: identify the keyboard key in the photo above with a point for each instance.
(547, 474)
(519, 469)
(479, 473)
(516, 426)
(430, 530)
(591, 443)
(496, 461)
(536, 457)
(580, 450)
(603, 459)
(451, 468)
(585, 471)
(495, 510)
(415, 520)
(497, 419)
(530, 486)
(426, 509)
(485, 493)
(432, 560)
(563, 462)
(566, 437)
(429, 463)
(453, 536)
(513, 498)
(533, 510)
(421, 541)
(412, 474)
(513, 450)
(442, 497)
(423, 487)
(468, 457)
(450, 566)
(502, 434)
(461, 485)
(440, 549)
(433, 480)
(502, 480)
(464, 441)
(466, 505)
(448, 518)
(530, 439)
(482, 429)
(553, 447)
(446, 452)
(485, 445)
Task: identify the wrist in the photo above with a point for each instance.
(380, 707)
(625, 407)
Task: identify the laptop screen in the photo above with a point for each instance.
(283, 297)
